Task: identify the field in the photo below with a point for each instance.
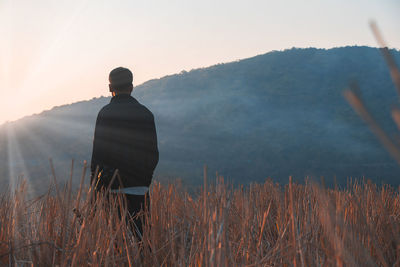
(260, 225)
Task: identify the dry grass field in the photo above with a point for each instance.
(260, 225)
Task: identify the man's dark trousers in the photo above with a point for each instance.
(135, 204)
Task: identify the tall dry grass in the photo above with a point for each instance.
(260, 225)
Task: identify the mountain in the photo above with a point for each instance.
(273, 115)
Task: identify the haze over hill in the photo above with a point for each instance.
(273, 115)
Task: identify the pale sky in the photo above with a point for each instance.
(55, 52)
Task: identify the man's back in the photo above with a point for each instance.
(125, 139)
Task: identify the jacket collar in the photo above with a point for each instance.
(122, 98)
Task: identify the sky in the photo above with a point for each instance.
(55, 52)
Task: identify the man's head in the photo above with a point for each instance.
(120, 81)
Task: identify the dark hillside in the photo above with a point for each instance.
(277, 114)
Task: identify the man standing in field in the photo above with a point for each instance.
(125, 139)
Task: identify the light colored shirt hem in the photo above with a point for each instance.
(135, 190)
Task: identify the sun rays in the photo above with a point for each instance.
(17, 170)
(30, 144)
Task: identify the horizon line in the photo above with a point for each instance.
(183, 71)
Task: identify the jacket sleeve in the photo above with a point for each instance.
(98, 145)
(154, 157)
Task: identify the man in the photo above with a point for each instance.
(125, 140)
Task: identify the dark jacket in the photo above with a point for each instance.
(125, 139)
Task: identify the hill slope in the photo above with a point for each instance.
(277, 114)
